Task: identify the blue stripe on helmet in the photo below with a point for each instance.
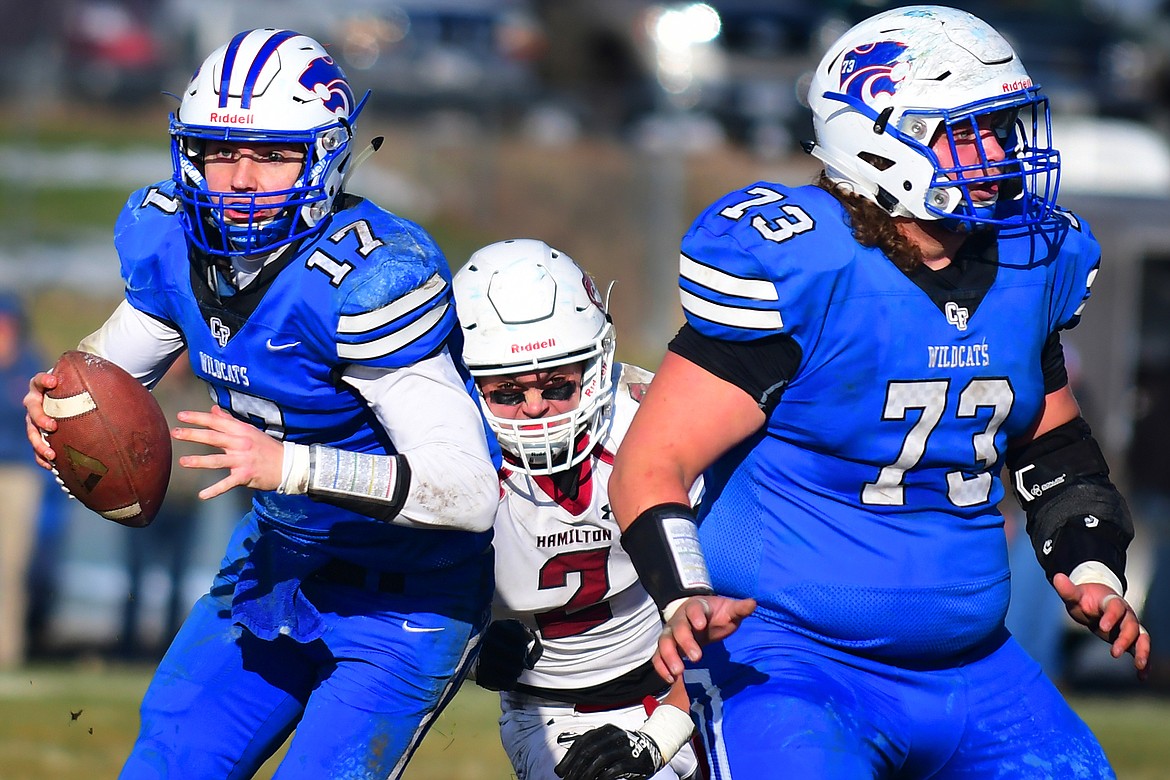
(262, 56)
(229, 61)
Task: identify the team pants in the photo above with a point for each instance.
(361, 697)
(773, 704)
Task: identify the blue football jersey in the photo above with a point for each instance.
(864, 513)
(371, 290)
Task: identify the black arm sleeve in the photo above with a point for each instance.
(1052, 363)
(1075, 513)
(761, 368)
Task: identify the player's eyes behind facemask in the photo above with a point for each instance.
(514, 396)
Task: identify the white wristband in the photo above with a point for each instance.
(294, 469)
(673, 607)
(1093, 571)
(670, 728)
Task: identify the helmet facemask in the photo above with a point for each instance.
(264, 87)
(887, 89)
(547, 445)
(525, 307)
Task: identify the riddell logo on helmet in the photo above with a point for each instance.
(233, 119)
(1015, 86)
(533, 346)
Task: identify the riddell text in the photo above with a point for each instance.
(233, 119)
(533, 346)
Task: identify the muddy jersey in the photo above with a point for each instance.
(864, 513)
(371, 289)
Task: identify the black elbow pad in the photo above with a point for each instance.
(1075, 513)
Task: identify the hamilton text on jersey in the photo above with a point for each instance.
(575, 536)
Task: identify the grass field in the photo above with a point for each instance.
(78, 720)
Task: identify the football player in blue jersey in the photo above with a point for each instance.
(861, 357)
(352, 596)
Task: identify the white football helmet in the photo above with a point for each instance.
(523, 307)
(264, 86)
(886, 87)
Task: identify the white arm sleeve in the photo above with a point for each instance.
(142, 345)
(436, 425)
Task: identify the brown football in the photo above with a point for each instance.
(112, 442)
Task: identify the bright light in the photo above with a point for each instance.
(679, 27)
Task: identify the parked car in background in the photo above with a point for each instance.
(1087, 57)
(462, 53)
(476, 55)
(115, 50)
(770, 48)
(742, 63)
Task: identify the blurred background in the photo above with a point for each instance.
(600, 126)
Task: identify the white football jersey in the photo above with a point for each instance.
(561, 569)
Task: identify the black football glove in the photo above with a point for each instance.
(508, 648)
(611, 753)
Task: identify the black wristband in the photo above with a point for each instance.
(1087, 539)
(663, 544)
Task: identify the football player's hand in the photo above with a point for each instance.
(508, 648)
(700, 621)
(611, 753)
(253, 458)
(1109, 616)
(36, 422)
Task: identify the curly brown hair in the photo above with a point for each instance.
(873, 226)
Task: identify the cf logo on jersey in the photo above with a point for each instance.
(220, 332)
(957, 315)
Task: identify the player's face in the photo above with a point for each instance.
(534, 395)
(250, 169)
(978, 147)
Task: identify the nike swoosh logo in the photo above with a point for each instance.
(279, 347)
(406, 626)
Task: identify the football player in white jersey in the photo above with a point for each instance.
(574, 631)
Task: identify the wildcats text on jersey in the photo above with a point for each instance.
(959, 356)
(223, 371)
(575, 536)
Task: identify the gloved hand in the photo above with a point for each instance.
(611, 753)
(508, 648)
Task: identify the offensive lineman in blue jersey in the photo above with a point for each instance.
(351, 598)
(860, 359)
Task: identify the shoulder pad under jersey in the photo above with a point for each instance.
(753, 264)
(630, 385)
(151, 246)
(393, 285)
(1064, 248)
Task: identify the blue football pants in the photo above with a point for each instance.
(361, 698)
(773, 704)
